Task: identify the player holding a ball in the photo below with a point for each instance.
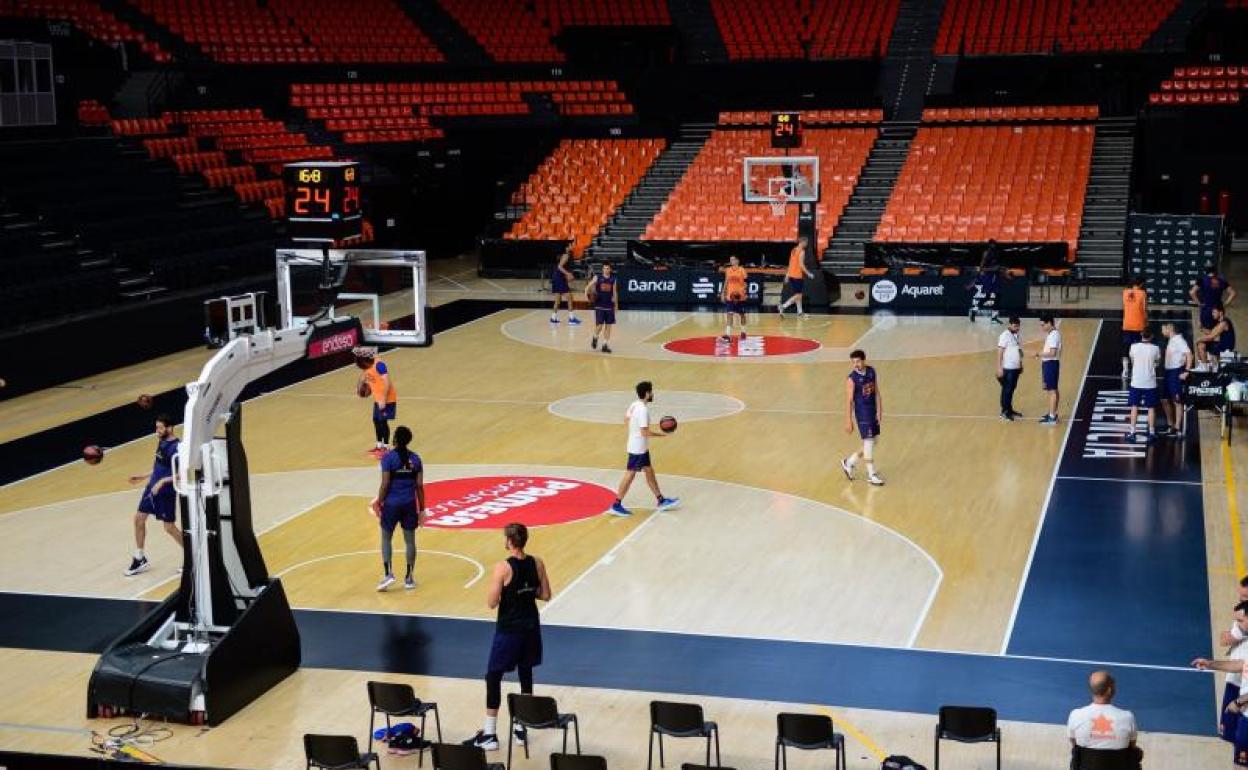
(639, 435)
(733, 296)
(375, 381)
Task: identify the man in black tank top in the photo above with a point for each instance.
(516, 586)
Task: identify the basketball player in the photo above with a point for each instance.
(516, 586)
(985, 284)
(1143, 391)
(1219, 338)
(602, 293)
(639, 434)
(733, 296)
(402, 498)
(158, 498)
(1178, 360)
(1212, 289)
(385, 398)
(1050, 366)
(1134, 318)
(560, 286)
(795, 277)
(864, 405)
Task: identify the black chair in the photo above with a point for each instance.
(336, 752)
(967, 724)
(456, 756)
(538, 712)
(399, 700)
(577, 762)
(807, 732)
(1105, 759)
(680, 720)
(691, 766)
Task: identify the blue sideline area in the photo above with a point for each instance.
(1119, 571)
(1164, 700)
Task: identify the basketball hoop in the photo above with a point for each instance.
(778, 203)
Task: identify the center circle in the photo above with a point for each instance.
(608, 406)
(493, 502)
(751, 347)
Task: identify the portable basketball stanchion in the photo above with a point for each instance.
(227, 635)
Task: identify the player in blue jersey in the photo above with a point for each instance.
(561, 286)
(602, 293)
(1212, 289)
(865, 406)
(400, 503)
(158, 498)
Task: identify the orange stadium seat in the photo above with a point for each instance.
(805, 29)
(1068, 26)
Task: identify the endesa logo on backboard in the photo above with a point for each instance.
(493, 502)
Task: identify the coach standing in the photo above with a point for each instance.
(1009, 367)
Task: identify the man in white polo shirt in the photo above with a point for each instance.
(1101, 724)
(1050, 356)
(1144, 357)
(1233, 727)
(1178, 360)
(1009, 367)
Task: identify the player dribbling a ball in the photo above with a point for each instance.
(733, 296)
(639, 435)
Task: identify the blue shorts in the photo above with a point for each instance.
(559, 284)
(515, 648)
(1130, 338)
(796, 284)
(733, 306)
(1145, 397)
(604, 317)
(1215, 347)
(393, 515)
(1173, 389)
(638, 462)
(1048, 374)
(987, 282)
(388, 413)
(867, 426)
(163, 505)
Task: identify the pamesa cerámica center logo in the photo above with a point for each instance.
(884, 291)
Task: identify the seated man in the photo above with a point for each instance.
(1219, 338)
(1100, 724)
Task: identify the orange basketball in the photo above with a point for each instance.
(363, 390)
(92, 455)
(668, 424)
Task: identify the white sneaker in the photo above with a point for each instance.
(385, 583)
(875, 479)
(409, 583)
(521, 736)
(849, 469)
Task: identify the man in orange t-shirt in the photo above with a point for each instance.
(385, 398)
(795, 277)
(1134, 319)
(733, 296)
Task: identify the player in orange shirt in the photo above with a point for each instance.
(733, 296)
(1134, 319)
(796, 277)
(385, 398)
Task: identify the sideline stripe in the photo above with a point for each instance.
(1232, 507)
(854, 733)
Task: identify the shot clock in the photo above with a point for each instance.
(322, 201)
(786, 130)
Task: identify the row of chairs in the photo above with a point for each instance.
(602, 13)
(452, 87)
(1040, 26)
(229, 176)
(1013, 114)
(809, 117)
(89, 17)
(1203, 97)
(382, 136)
(1205, 84)
(804, 29)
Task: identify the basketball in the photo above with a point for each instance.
(144, 401)
(92, 455)
(363, 390)
(668, 424)
(860, 294)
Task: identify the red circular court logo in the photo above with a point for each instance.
(741, 348)
(493, 502)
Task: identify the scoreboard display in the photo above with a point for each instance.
(1170, 253)
(322, 201)
(786, 130)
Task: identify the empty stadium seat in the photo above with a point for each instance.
(508, 30)
(577, 187)
(1008, 182)
(1040, 26)
(805, 29)
(90, 18)
(706, 205)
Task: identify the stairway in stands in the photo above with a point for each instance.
(908, 66)
(844, 255)
(1104, 223)
(456, 44)
(1172, 34)
(645, 200)
(696, 21)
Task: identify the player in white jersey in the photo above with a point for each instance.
(1144, 357)
(1050, 356)
(1178, 359)
(639, 435)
